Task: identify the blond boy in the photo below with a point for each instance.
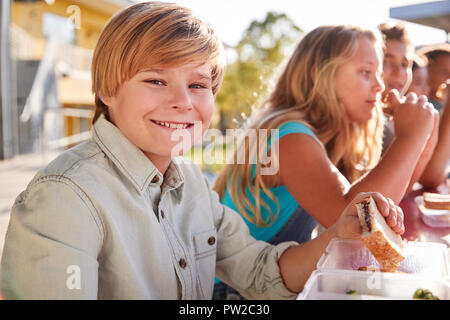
(120, 216)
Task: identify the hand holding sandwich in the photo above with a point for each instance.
(297, 263)
(348, 226)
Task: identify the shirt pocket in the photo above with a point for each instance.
(205, 245)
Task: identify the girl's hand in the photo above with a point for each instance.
(348, 227)
(413, 116)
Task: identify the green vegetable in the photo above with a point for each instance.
(351, 292)
(424, 294)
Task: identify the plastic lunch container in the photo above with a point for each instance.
(432, 217)
(337, 284)
(426, 267)
(422, 258)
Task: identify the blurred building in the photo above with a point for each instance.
(51, 45)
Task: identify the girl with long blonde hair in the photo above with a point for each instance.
(327, 109)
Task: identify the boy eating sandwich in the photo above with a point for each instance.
(122, 217)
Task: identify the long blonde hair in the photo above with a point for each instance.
(354, 148)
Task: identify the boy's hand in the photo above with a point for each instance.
(413, 116)
(348, 227)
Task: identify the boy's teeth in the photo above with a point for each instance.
(172, 125)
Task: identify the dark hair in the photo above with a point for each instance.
(395, 31)
(434, 51)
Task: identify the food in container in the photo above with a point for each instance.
(435, 218)
(422, 258)
(350, 285)
(424, 294)
(436, 201)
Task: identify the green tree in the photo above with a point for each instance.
(259, 53)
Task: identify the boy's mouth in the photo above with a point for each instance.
(173, 125)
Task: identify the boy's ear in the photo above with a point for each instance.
(106, 100)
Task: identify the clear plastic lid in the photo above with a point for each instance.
(349, 285)
(423, 258)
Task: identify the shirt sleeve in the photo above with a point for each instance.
(52, 243)
(247, 265)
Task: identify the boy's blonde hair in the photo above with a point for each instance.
(151, 34)
(353, 148)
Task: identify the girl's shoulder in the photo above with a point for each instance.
(297, 126)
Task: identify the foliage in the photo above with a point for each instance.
(260, 52)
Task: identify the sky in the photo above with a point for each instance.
(230, 18)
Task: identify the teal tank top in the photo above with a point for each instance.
(287, 203)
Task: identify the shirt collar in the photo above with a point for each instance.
(131, 161)
(174, 178)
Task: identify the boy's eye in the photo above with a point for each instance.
(197, 86)
(154, 81)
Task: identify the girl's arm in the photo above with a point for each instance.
(323, 191)
(435, 171)
(426, 154)
(297, 263)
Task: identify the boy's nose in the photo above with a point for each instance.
(180, 99)
(398, 71)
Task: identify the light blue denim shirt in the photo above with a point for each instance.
(101, 222)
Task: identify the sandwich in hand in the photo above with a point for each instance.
(436, 201)
(386, 246)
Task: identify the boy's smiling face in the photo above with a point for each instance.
(157, 105)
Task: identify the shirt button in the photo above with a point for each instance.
(182, 263)
(211, 241)
(155, 179)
